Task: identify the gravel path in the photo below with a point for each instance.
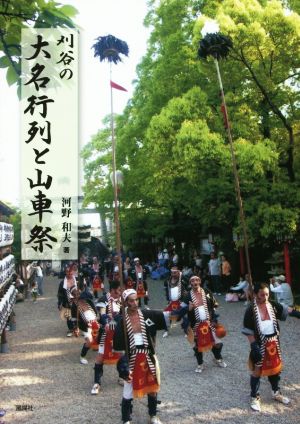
(42, 370)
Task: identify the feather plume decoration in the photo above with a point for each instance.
(216, 45)
(110, 48)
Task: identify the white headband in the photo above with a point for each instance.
(127, 293)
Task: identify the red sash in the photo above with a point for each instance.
(174, 305)
(204, 337)
(110, 357)
(143, 382)
(140, 291)
(271, 364)
(95, 331)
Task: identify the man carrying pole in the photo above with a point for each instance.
(110, 48)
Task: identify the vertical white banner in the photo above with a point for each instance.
(49, 144)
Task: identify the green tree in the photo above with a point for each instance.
(266, 51)
(171, 140)
(293, 5)
(265, 40)
(18, 14)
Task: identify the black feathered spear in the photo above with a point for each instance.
(218, 46)
(110, 48)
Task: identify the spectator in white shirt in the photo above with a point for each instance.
(282, 290)
(215, 273)
(242, 289)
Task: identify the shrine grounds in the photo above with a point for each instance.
(42, 381)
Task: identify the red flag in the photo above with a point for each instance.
(117, 86)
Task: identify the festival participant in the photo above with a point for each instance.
(98, 286)
(200, 304)
(225, 272)
(129, 283)
(96, 265)
(138, 274)
(262, 330)
(176, 288)
(84, 315)
(115, 272)
(140, 370)
(64, 302)
(109, 308)
(126, 268)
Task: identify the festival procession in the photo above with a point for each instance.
(149, 257)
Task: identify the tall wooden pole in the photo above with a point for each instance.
(115, 186)
(116, 208)
(236, 177)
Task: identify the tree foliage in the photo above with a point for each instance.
(18, 14)
(171, 141)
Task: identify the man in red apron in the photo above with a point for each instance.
(98, 286)
(138, 274)
(262, 330)
(109, 307)
(140, 371)
(201, 306)
(176, 289)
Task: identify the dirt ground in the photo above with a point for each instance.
(42, 381)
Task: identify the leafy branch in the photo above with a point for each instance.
(7, 53)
